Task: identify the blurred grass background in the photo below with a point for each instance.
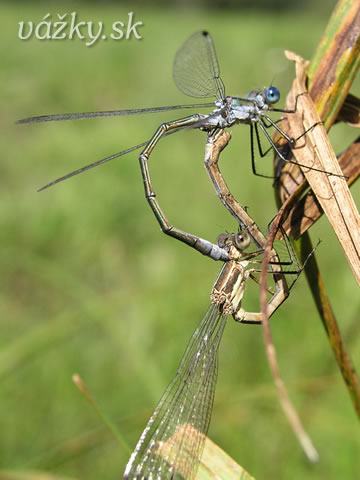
(90, 285)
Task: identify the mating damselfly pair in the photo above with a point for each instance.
(171, 444)
(197, 74)
(188, 400)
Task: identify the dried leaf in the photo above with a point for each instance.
(316, 152)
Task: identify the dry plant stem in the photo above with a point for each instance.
(308, 210)
(316, 151)
(301, 218)
(286, 404)
(330, 75)
(213, 149)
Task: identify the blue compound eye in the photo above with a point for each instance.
(272, 95)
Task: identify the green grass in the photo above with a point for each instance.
(89, 285)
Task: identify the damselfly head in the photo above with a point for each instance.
(240, 240)
(267, 96)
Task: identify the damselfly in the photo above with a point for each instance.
(196, 74)
(172, 443)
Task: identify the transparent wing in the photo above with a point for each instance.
(59, 117)
(172, 443)
(196, 69)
